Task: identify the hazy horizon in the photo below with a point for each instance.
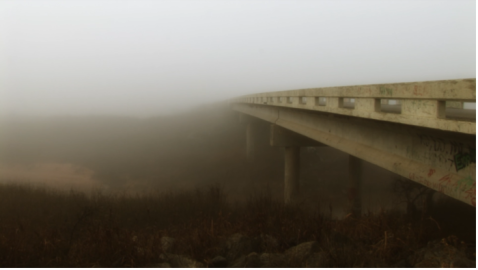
(147, 58)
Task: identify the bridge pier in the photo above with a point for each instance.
(355, 186)
(250, 135)
(292, 142)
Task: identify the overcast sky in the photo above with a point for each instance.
(144, 58)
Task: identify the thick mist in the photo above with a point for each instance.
(195, 149)
(132, 95)
(116, 133)
(144, 58)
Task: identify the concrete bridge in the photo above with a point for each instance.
(418, 130)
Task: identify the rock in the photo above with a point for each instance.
(317, 260)
(428, 263)
(268, 242)
(218, 262)
(463, 263)
(250, 261)
(441, 253)
(402, 264)
(302, 251)
(167, 243)
(160, 265)
(272, 260)
(178, 261)
(238, 245)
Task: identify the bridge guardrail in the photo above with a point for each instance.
(431, 104)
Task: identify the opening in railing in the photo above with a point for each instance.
(281, 99)
(303, 100)
(290, 100)
(388, 105)
(457, 110)
(347, 103)
(320, 101)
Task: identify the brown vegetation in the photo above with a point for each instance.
(43, 228)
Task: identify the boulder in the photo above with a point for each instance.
(160, 265)
(441, 253)
(302, 251)
(218, 262)
(463, 263)
(250, 261)
(239, 245)
(167, 243)
(272, 260)
(402, 264)
(178, 261)
(268, 242)
(317, 260)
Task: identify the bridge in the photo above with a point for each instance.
(422, 131)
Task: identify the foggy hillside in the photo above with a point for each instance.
(193, 149)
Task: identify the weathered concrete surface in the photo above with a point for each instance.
(283, 137)
(441, 160)
(250, 135)
(421, 102)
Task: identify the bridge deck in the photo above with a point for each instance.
(423, 139)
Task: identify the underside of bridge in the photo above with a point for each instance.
(441, 160)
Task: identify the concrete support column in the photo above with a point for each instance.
(292, 169)
(355, 184)
(250, 141)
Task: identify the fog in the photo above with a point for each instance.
(195, 149)
(147, 58)
(116, 133)
(133, 95)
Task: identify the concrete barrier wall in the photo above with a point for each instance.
(422, 104)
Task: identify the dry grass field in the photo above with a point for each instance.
(44, 228)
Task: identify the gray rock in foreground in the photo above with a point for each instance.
(441, 253)
(272, 260)
(179, 261)
(250, 261)
(317, 260)
(218, 262)
(268, 242)
(167, 243)
(239, 245)
(160, 265)
(302, 251)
